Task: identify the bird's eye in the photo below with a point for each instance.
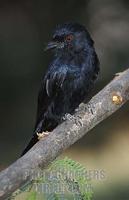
(69, 38)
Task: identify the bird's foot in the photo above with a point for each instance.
(118, 74)
(42, 135)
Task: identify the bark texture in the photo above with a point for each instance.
(87, 116)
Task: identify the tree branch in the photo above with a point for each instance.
(87, 116)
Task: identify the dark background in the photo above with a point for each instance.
(25, 28)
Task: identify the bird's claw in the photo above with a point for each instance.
(42, 135)
(118, 74)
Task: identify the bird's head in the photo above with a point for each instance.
(70, 37)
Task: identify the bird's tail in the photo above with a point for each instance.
(32, 142)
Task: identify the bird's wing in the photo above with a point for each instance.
(50, 88)
(43, 102)
(54, 83)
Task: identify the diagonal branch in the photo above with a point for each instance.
(87, 116)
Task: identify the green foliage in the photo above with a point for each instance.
(31, 196)
(63, 179)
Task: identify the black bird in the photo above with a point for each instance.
(69, 77)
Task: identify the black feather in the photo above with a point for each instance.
(69, 78)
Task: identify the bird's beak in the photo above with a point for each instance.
(51, 45)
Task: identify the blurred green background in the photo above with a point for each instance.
(25, 28)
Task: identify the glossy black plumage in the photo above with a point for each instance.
(69, 78)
